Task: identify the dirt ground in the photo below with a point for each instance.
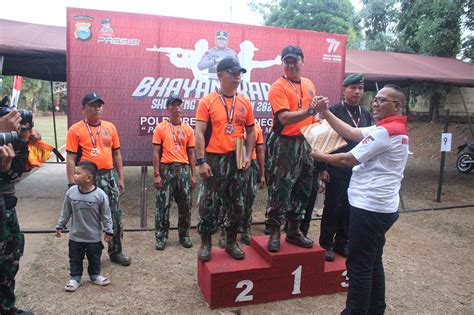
(429, 255)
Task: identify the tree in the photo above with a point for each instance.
(331, 16)
(379, 17)
(430, 28)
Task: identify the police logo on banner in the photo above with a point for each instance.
(83, 25)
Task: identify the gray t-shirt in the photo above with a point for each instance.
(89, 211)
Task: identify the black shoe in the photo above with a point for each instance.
(120, 259)
(329, 254)
(341, 250)
(268, 229)
(160, 244)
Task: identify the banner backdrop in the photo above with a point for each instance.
(135, 61)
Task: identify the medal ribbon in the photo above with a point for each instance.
(300, 102)
(231, 115)
(356, 123)
(175, 134)
(93, 139)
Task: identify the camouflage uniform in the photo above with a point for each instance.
(12, 243)
(289, 177)
(107, 180)
(177, 184)
(250, 194)
(226, 186)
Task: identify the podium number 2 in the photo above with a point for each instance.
(297, 282)
(243, 297)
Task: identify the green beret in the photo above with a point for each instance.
(355, 78)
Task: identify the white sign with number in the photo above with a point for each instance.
(446, 142)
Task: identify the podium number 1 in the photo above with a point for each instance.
(243, 297)
(297, 282)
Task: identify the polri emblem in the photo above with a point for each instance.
(83, 26)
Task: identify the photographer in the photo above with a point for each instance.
(13, 157)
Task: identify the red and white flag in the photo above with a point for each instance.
(17, 85)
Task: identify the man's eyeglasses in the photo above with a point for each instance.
(380, 100)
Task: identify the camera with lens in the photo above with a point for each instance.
(8, 137)
(26, 115)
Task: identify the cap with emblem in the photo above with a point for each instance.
(105, 20)
(173, 98)
(292, 51)
(355, 78)
(231, 64)
(221, 35)
(91, 98)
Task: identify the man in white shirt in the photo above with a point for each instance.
(379, 161)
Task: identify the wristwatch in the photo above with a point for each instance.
(201, 161)
(312, 111)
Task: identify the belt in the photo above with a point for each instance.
(176, 164)
(103, 171)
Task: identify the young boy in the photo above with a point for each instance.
(89, 207)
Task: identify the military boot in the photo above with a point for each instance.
(184, 239)
(120, 259)
(273, 244)
(232, 248)
(294, 235)
(204, 253)
(160, 244)
(246, 235)
(222, 238)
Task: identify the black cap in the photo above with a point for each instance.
(105, 20)
(355, 78)
(292, 51)
(173, 98)
(231, 64)
(91, 98)
(221, 34)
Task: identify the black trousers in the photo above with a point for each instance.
(335, 220)
(77, 251)
(365, 270)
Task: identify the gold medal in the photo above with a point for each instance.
(95, 152)
(229, 129)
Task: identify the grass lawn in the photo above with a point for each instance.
(45, 126)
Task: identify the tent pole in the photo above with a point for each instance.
(53, 111)
(467, 112)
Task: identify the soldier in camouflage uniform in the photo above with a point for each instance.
(97, 140)
(213, 56)
(222, 116)
(12, 241)
(173, 164)
(289, 165)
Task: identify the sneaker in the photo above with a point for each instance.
(100, 280)
(72, 285)
(329, 254)
(120, 259)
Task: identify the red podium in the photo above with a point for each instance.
(263, 276)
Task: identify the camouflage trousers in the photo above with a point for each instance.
(12, 243)
(289, 177)
(250, 194)
(225, 188)
(176, 186)
(108, 182)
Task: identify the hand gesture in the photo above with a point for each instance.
(58, 232)
(6, 156)
(320, 103)
(205, 171)
(158, 183)
(262, 182)
(107, 238)
(10, 122)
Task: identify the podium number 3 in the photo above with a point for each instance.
(243, 297)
